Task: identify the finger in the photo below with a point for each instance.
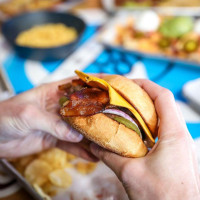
(112, 160)
(77, 150)
(180, 114)
(184, 124)
(37, 119)
(22, 147)
(170, 120)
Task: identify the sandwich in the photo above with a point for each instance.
(113, 112)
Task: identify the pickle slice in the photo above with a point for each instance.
(62, 100)
(128, 124)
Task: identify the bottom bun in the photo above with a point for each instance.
(109, 134)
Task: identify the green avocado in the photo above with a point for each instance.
(176, 27)
(128, 124)
(62, 100)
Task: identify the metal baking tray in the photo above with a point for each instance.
(21, 180)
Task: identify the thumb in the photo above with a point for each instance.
(51, 123)
(112, 160)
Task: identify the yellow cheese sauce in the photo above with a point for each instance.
(46, 36)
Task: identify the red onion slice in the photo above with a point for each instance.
(120, 113)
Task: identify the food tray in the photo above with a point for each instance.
(108, 33)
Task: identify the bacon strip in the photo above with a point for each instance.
(88, 101)
(78, 82)
(75, 85)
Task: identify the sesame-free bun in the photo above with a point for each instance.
(112, 135)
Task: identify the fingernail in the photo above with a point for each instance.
(74, 135)
(65, 132)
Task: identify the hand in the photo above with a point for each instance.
(169, 171)
(30, 123)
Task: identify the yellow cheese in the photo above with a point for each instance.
(115, 98)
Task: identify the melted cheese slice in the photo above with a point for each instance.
(115, 98)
